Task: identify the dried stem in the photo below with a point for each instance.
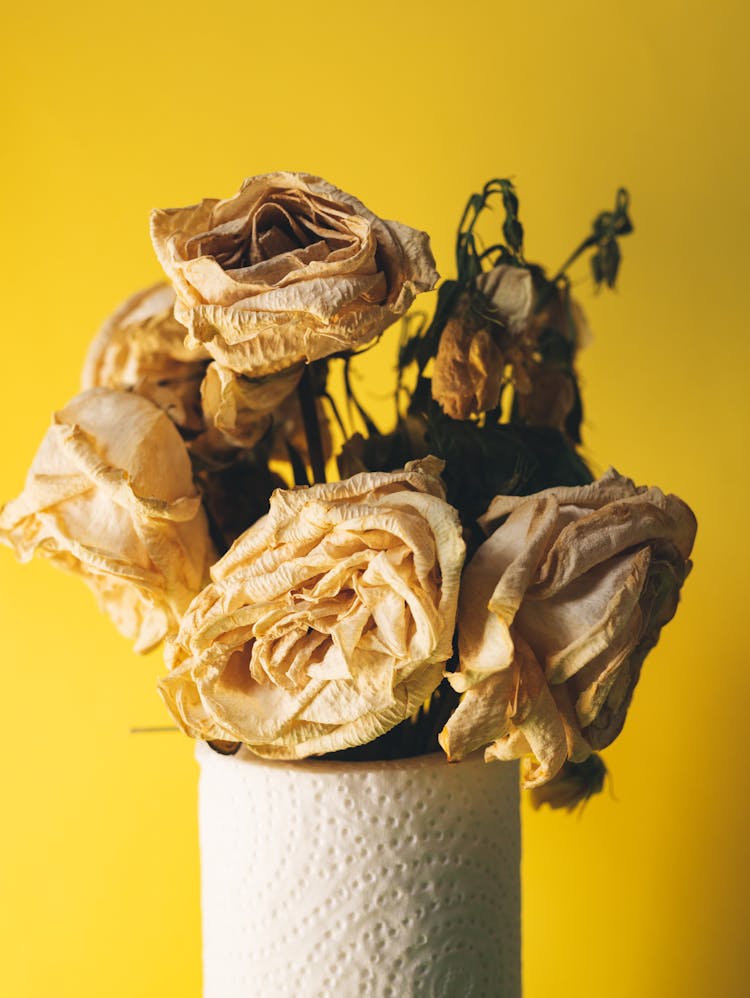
(306, 397)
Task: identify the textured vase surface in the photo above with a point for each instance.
(359, 880)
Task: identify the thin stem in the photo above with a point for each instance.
(370, 426)
(306, 397)
(159, 729)
(336, 414)
(586, 244)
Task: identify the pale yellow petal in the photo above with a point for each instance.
(110, 497)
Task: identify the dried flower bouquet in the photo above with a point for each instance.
(466, 584)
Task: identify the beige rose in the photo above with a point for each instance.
(328, 622)
(558, 609)
(290, 269)
(141, 348)
(110, 497)
(494, 336)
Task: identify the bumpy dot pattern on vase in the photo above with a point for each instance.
(355, 880)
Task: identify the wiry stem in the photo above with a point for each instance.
(306, 397)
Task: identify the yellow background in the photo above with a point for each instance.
(110, 111)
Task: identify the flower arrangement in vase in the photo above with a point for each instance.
(463, 589)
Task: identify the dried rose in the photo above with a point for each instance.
(141, 347)
(548, 391)
(550, 399)
(328, 622)
(469, 366)
(290, 269)
(110, 497)
(558, 609)
(485, 333)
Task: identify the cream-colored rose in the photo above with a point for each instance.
(558, 609)
(110, 497)
(328, 622)
(290, 269)
(141, 348)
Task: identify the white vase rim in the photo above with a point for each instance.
(244, 756)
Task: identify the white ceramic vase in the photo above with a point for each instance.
(359, 880)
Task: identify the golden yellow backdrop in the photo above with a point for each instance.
(112, 110)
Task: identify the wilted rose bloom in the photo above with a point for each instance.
(558, 609)
(290, 269)
(110, 497)
(141, 347)
(328, 622)
(547, 392)
(469, 366)
(485, 333)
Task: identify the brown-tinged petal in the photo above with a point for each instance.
(468, 369)
(610, 487)
(592, 616)
(537, 718)
(606, 532)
